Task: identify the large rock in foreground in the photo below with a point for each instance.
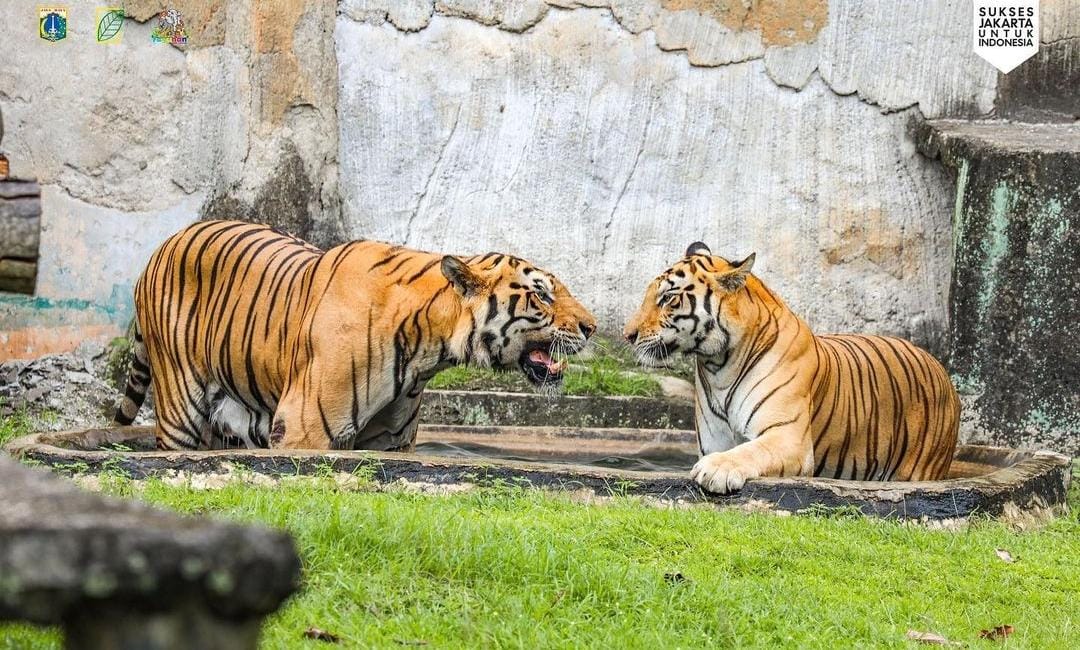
(120, 574)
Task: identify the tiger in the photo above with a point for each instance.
(774, 399)
(252, 337)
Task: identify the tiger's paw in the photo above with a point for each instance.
(722, 474)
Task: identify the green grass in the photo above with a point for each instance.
(507, 567)
(609, 370)
(13, 426)
(604, 376)
(515, 568)
(596, 377)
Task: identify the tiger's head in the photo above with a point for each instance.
(691, 308)
(516, 315)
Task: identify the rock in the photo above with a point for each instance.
(675, 388)
(34, 394)
(122, 574)
(64, 391)
(9, 371)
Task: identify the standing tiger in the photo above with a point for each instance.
(773, 399)
(255, 337)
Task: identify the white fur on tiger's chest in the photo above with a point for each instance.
(754, 403)
(728, 418)
(713, 431)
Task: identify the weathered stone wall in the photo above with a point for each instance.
(601, 141)
(596, 137)
(132, 141)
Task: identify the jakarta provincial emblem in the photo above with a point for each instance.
(52, 23)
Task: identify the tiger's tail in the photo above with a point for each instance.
(138, 382)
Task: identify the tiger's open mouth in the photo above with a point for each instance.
(538, 366)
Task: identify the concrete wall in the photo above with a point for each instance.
(599, 142)
(132, 141)
(598, 139)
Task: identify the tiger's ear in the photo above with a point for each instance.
(464, 281)
(735, 279)
(697, 248)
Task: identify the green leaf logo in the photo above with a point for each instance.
(109, 25)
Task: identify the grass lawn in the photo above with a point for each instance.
(505, 567)
(517, 568)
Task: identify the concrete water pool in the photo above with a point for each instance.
(628, 461)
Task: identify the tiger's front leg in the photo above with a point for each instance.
(326, 408)
(323, 408)
(394, 427)
(783, 450)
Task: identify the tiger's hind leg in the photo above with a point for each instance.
(180, 408)
(233, 425)
(183, 424)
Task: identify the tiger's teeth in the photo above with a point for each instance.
(557, 367)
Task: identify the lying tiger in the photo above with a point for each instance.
(773, 399)
(253, 337)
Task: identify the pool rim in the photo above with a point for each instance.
(1037, 482)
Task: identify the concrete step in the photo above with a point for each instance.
(1015, 291)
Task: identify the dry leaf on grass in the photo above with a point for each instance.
(1004, 555)
(929, 638)
(321, 635)
(995, 633)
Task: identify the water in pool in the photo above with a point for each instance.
(647, 459)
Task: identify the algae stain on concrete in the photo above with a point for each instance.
(993, 249)
(1057, 226)
(996, 245)
(477, 416)
(119, 306)
(968, 384)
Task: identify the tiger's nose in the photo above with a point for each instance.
(630, 336)
(587, 329)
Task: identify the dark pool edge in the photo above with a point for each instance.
(1037, 483)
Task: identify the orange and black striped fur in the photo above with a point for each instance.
(773, 399)
(254, 337)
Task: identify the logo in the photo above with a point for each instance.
(52, 23)
(110, 24)
(1005, 32)
(170, 28)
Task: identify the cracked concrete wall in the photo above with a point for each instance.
(600, 138)
(132, 141)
